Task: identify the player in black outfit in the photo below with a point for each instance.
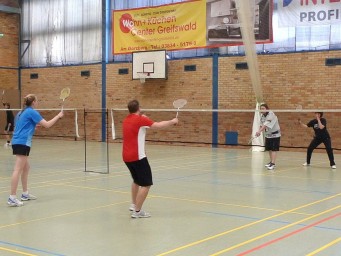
(9, 128)
(321, 136)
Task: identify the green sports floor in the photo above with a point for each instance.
(205, 201)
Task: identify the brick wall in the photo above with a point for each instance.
(287, 80)
(9, 45)
(9, 74)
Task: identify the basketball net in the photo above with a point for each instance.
(142, 77)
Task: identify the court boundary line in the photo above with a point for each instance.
(287, 235)
(246, 226)
(17, 252)
(63, 214)
(324, 247)
(30, 248)
(272, 232)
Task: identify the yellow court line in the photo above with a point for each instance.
(181, 199)
(274, 231)
(224, 204)
(246, 226)
(17, 252)
(324, 247)
(63, 214)
(92, 188)
(67, 180)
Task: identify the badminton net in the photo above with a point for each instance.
(66, 127)
(230, 127)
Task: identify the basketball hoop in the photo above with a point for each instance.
(143, 76)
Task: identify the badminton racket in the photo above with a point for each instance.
(8, 127)
(299, 108)
(179, 103)
(251, 139)
(64, 94)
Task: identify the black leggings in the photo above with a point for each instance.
(315, 143)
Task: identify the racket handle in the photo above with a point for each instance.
(177, 113)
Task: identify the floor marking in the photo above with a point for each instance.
(17, 252)
(224, 204)
(63, 214)
(272, 232)
(30, 248)
(180, 199)
(288, 235)
(246, 226)
(324, 247)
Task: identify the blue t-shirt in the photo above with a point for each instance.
(25, 125)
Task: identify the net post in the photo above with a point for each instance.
(107, 139)
(103, 166)
(84, 123)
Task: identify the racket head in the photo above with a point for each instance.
(179, 103)
(299, 107)
(65, 93)
(251, 139)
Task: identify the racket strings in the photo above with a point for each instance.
(65, 93)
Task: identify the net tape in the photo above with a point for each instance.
(54, 109)
(199, 121)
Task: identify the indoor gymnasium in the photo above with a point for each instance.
(169, 127)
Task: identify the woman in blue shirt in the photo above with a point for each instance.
(25, 125)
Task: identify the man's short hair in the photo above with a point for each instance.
(265, 105)
(133, 106)
(321, 114)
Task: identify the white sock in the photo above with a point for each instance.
(13, 196)
(25, 192)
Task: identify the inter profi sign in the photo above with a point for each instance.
(294, 13)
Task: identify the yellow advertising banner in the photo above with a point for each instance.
(187, 25)
(170, 27)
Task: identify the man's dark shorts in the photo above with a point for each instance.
(272, 144)
(141, 172)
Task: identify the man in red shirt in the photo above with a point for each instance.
(135, 126)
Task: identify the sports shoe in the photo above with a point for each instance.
(268, 164)
(132, 207)
(333, 166)
(14, 202)
(140, 214)
(271, 166)
(26, 197)
(305, 164)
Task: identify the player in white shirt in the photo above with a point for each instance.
(269, 124)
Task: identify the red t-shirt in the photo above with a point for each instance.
(134, 134)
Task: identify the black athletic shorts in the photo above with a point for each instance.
(141, 172)
(272, 144)
(10, 129)
(22, 150)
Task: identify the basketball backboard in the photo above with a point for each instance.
(152, 62)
